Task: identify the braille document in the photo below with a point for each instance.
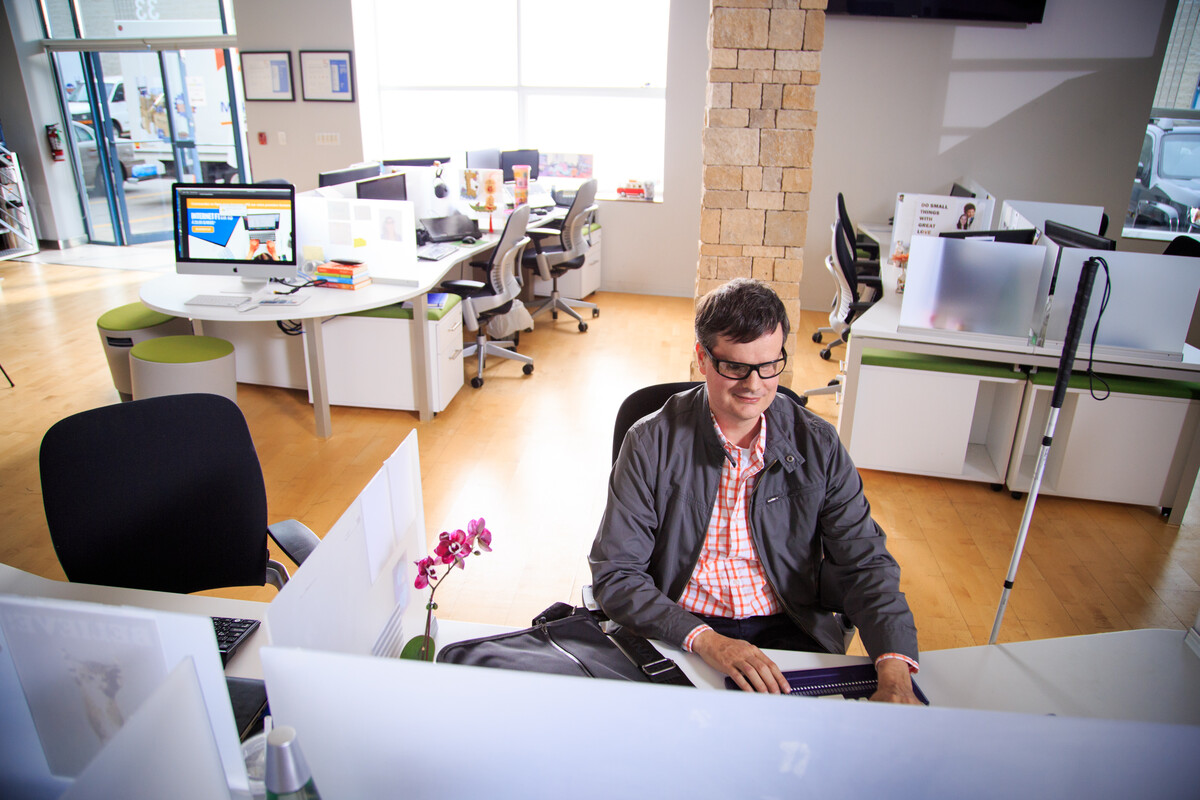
(851, 682)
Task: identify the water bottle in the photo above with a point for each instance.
(288, 775)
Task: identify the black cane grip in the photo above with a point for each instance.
(1083, 296)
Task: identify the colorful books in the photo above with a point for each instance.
(342, 276)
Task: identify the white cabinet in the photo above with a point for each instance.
(369, 359)
(265, 355)
(577, 284)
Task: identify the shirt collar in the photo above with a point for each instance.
(757, 449)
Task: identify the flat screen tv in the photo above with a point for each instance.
(245, 230)
(1026, 11)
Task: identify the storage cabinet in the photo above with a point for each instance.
(265, 355)
(369, 357)
(17, 237)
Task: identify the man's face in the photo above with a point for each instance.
(737, 405)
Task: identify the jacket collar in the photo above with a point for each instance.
(780, 444)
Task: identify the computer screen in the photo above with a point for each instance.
(1068, 236)
(483, 159)
(510, 158)
(416, 162)
(958, 190)
(385, 187)
(1013, 235)
(231, 229)
(347, 175)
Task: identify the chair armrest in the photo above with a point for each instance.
(294, 538)
(870, 280)
(544, 231)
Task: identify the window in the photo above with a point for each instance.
(1165, 200)
(561, 77)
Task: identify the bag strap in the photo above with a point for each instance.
(653, 664)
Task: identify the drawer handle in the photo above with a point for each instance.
(455, 354)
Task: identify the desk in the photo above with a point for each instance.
(878, 328)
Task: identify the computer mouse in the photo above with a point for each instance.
(469, 240)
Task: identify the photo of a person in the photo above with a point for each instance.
(262, 251)
(968, 216)
(389, 231)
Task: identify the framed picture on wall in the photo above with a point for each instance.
(327, 75)
(268, 75)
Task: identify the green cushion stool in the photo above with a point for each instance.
(123, 327)
(183, 365)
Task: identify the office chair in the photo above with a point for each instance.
(1183, 246)
(164, 493)
(851, 298)
(482, 301)
(858, 241)
(552, 259)
(649, 399)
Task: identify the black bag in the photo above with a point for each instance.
(568, 641)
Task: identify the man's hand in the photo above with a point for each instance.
(746, 664)
(895, 683)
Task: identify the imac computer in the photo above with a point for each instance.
(1011, 235)
(243, 230)
(510, 158)
(347, 175)
(385, 187)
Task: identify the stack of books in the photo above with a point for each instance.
(342, 276)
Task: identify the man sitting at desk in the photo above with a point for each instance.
(735, 518)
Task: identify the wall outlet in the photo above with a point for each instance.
(330, 139)
(282, 136)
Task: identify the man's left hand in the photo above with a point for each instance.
(895, 683)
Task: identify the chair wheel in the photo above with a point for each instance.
(553, 315)
(1017, 495)
(825, 354)
(527, 369)
(834, 382)
(803, 401)
(583, 327)
(817, 337)
(516, 339)
(476, 382)
(997, 487)
(595, 313)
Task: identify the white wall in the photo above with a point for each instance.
(1053, 112)
(295, 25)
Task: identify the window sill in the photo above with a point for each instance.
(616, 198)
(1151, 234)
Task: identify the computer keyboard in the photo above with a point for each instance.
(232, 633)
(227, 300)
(435, 252)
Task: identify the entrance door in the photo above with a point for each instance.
(140, 122)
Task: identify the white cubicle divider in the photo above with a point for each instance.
(388, 727)
(1149, 307)
(354, 593)
(982, 290)
(380, 233)
(930, 214)
(166, 749)
(72, 673)
(1030, 214)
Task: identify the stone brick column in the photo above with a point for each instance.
(764, 65)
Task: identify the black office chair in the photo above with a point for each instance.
(855, 292)
(557, 250)
(482, 301)
(868, 263)
(1183, 246)
(649, 399)
(164, 493)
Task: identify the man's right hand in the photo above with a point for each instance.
(746, 664)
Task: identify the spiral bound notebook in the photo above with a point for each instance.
(852, 682)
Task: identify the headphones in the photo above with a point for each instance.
(440, 189)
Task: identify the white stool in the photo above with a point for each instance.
(183, 365)
(123, 327)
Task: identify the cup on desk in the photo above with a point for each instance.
(521, 184)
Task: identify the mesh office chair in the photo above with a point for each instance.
(1183, 246)
(859, 243)
(649, 399)
(482, 301)
(556, 251)
(164, 493)
(855, 293)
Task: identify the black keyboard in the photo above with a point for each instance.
(232, 633)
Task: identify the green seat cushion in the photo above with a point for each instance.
(897, 359)
(132, 317)
(1123, 384)
(181, 349)
(398, 311)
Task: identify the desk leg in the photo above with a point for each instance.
(845, 426)
(422, 368)
(316, 376)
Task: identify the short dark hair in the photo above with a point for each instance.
(742, 310)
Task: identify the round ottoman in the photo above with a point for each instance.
(123, 327)
(183, 365)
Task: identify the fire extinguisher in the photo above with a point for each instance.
(54, 137)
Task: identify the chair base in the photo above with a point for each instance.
(502, 348)
(556, 302)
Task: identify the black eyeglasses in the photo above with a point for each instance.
(737, 371)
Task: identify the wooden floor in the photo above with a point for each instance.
(531, 455)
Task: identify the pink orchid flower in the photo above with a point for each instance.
(452, 548)
(425, 572)
(478, 534)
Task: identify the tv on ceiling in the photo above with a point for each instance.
(1026, 11)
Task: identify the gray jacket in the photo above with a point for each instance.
(810, 523)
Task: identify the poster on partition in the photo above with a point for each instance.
(930, 214)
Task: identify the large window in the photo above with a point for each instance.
(1165, 200)
(561, 76)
